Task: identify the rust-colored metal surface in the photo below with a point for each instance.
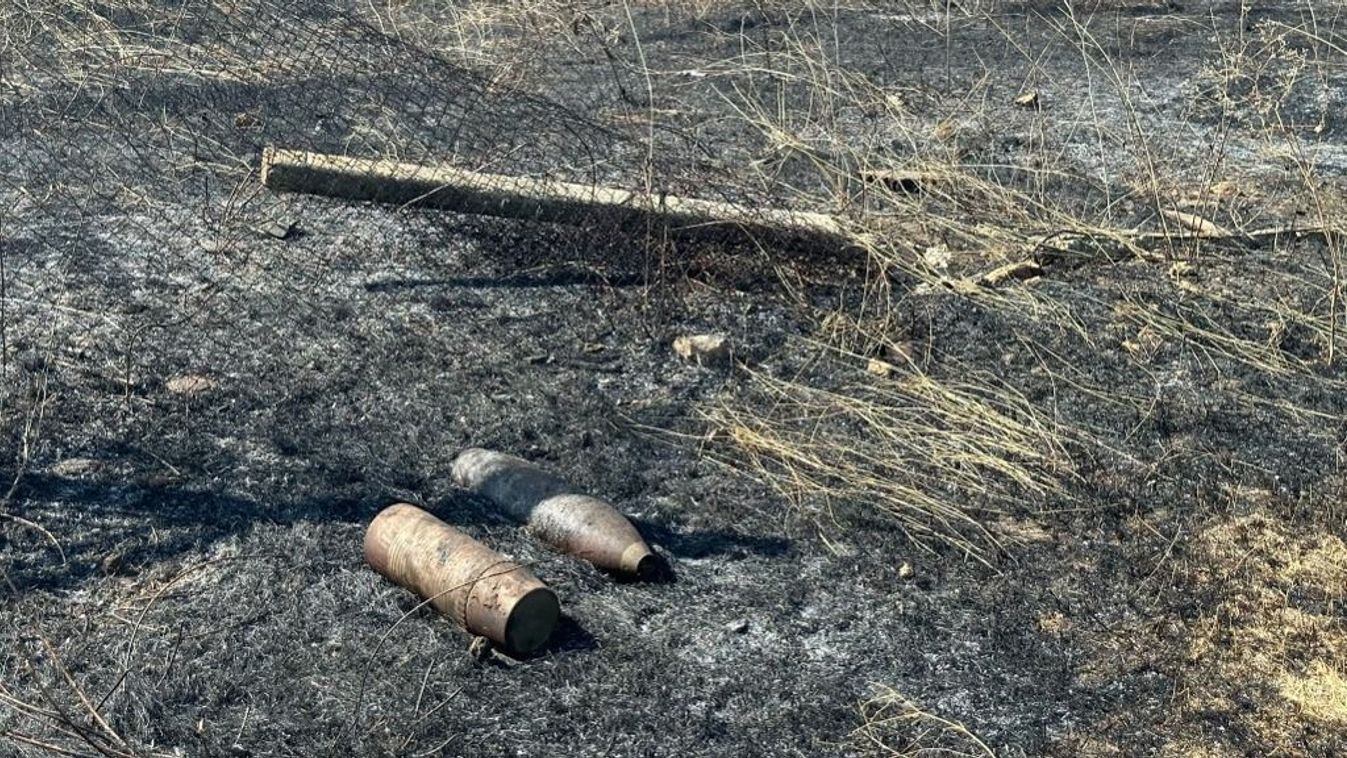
(576, 524)
(480, 589)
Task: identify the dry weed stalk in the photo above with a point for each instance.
(894, 725)
(66, 721)
(860, 442)
(932, 454)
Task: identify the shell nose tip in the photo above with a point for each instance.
(640, 562)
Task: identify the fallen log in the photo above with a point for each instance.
(536, 199)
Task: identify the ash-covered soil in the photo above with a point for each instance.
(201, 418)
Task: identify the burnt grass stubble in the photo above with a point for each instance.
(351, 367)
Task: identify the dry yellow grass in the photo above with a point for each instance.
(894, 725)
(1320, 693)
(1264, 659)
(927, 452)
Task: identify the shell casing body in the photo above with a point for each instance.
(476, 587)
(575, 524)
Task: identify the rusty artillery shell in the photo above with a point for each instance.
(579, 525)
(480, 589)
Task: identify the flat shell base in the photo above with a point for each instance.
(532, 620)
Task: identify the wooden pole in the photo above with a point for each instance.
(528, 198)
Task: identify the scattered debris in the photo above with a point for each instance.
(880, 368)
(1320, 691)
(111, 563)
(74, 468)
(1182, 269)
(1053, 622)
(1028, 99)
(1018, 271)
(480, 649)
(905, 351)
(738, 626)
(898, 180)
(480, 589)
(33, 361)
(1225, 189)
(895, 725)
(945, 130)
(247, 120)
(1023, 531)
(1194, 223)
(704, 348)
(937, 257)
(1145, 344)
(578, 525)
(216, 246)
(189, 384)
(280, 229)
(643, 117)
(1276, 332)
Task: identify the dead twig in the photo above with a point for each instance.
(31, 428)
(79, 692)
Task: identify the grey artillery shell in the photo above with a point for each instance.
(578, 525)
(480, 589)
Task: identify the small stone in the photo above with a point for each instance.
(74, 467)
(189, 384)
(480, 649)
(905, 571)
(111, 563)
(1182, 270)
(1028, 99)
(277, 228)
(703, 348)
(937, 257)
(739, 626)
(1053, 622)
(1225, 189)
(247, 121)
(214, 246)
(879, 368)
(1018, 271)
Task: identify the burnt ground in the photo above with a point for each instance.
(190, 551)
